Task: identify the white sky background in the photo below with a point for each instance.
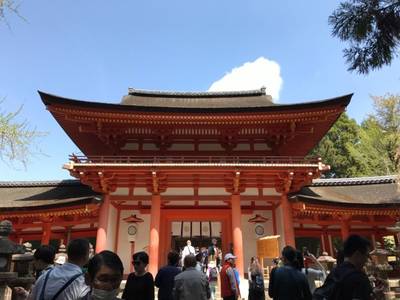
(252, 76)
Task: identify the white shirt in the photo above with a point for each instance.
(57, 278)
(188, 250)
(313, 275)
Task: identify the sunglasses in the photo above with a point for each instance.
(136, 262)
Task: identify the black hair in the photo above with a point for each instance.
(199, 256)
(289, 253)
(104, 258)
(78, 249)
(173, 258)
(299, 261)
(355, 243)
(339, 257)
(189, 261)
(142, 256)
(45, 253)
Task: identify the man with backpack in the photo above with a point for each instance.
(348, 281)
(229, 285)
(212, 275)
(287, 282)
(67, 281)
(166, 276)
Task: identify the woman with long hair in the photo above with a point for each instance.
(256, 280)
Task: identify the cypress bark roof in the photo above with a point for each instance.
(364, 191)
(36, 195)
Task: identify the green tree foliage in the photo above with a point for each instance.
(16, 138)
(8, 7)
(372, 27)
(337, 148)
(372, 148)
(387, 120)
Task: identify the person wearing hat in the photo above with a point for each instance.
(229, 285)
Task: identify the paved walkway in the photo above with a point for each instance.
(244, 290)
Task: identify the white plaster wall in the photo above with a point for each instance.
(250, 192)
(213, 192)
(210, 147)
(181, 147)
(179, 203)
(211, 203)
(250, 237)
(263, 146)
(141, 192)
(242, 147)
(270, 192)
(316, 226)
(178, 191)
(121, 191)
(149, 147)
(130, 146)
(141, 238)
(80, 226)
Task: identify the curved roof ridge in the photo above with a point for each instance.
(355, 180)
(62, 182)
(177, 94)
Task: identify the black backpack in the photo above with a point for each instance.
(331, 289)
(258, 283)
(213, 274)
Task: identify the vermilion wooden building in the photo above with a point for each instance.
(171, 166)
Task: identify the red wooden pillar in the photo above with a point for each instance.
(154, 233)
(46, 233)
(288, 227)
(101, 238)
(132, 252)
(345, 229)
(237, 233)
(274, 227)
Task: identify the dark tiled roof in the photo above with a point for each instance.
(364, 191)
(19, 195)
(355, 180)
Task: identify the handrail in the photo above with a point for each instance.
(192, 159)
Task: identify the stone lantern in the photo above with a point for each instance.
(23, 263)
(379, 257)
(7, 249)
(61, 257)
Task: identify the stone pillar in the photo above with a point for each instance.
(101, 238)
(288, 227)
(46, 233)
(237, 232)
(154, 244)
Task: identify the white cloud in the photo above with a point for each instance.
(252, 76)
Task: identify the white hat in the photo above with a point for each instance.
(60, 260)
(229, 256)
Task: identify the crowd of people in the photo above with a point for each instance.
(347, 281)
(99, 277)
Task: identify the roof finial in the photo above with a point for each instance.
(263, 90)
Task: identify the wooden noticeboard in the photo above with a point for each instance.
(268, 247)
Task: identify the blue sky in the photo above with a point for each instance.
(95, 50)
